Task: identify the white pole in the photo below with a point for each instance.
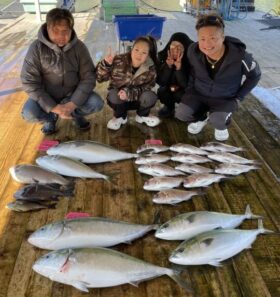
(37, 10)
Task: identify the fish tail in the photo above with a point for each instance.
(182, 283)
(262, 230)
(250, 215)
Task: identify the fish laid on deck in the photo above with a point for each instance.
(154, 158)
(88, 151)
(188, 225)
(155, 148)
(159, 170)
(68, 167)
(162, 183)
(38, 192)
(28, 174)
(185, 148)
(230, 158)
(216, 147)
(193, 168)
(87, 232)
(234, 169)
(215, 246)
(24, 206)
(99, 268)
(174, 196)
(202, 180)
(190, 159)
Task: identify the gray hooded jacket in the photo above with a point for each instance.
(50, 73)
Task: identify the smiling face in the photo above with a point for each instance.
(176, 49)
(139, 53)
(59, 33)
(211, 41)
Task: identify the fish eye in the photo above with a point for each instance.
(165, 226)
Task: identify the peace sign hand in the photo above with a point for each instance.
(178, 61)
(169, 60)
(110, 57)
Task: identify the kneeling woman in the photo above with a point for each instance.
(131, 78)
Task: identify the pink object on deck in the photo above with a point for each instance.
(46, 144)
(153, 141)
(73, 215)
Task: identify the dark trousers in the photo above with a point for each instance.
(194, 107)
(143, 106)
(169, 98)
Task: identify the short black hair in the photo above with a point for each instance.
(58, 14)
(208, 20)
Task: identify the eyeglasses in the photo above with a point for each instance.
(209, 20)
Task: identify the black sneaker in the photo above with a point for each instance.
(165, 112)
(82, 123)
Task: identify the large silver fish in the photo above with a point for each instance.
(193, 168)
(190, 159)
(98, 268)
(159, 170)
(68, 167)
(217, 147)
(152, 148)
(234, 169)
(215, 246)
(162, 183)
(87, 232)
(28, 174)
(88, 151)
(174, 196)
(190, 224)
(154, 158)
(230, 158)
(185, 148)
(202, 180)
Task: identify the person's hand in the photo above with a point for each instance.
(123, 95)
(178, 61)
(64, 110)
(169, 60)
(110, 56)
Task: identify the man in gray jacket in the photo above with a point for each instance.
(59, 76)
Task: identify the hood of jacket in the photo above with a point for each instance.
(43, 37)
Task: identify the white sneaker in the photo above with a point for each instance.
(221, 135)
(150, 120)
(115, 123)
(195, 128)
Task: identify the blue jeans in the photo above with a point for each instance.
(32, 111)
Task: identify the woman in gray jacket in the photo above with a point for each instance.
(59, 76)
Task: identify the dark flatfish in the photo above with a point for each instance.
(39, 192)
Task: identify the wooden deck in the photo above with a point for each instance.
(252, 273)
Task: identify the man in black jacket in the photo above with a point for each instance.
(59, 76)
(222, 74)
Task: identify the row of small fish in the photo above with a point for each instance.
(216, 147)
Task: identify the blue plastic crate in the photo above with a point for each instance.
(129, 27)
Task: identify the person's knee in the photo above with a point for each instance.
(113, 97)
(148, 99)
(220, 120)
(184, 113)
(30, 111)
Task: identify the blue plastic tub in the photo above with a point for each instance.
(129, 27)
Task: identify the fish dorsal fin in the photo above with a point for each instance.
(135, 284)
(82, 286)
(191, 218)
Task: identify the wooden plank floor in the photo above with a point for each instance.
(253, 273)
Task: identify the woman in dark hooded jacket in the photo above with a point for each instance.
(173, 72)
